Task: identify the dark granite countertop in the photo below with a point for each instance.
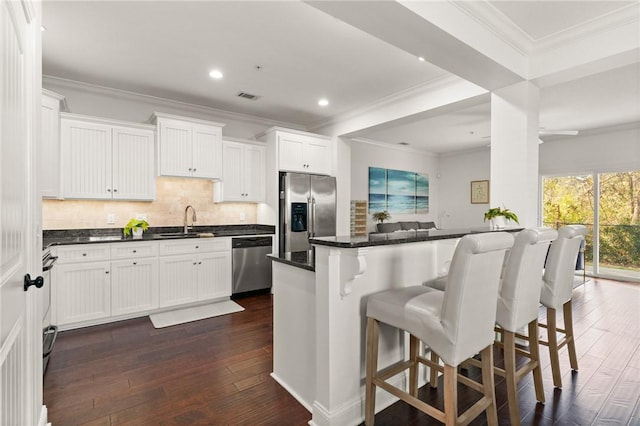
(401, 237)
(111, 235)
(299, 259)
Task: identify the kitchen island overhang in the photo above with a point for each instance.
(320, 316)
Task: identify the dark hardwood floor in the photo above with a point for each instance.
(216, 371)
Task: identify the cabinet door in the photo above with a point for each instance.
(207, 152)
(317, 156)
(134, 286)
(254, 174)
(86, 160)
(49, 155)
(177, 280)
(214, 275)
(290, 157)
(233, 171)
(133, 164)
(81, 292)
(175, 148)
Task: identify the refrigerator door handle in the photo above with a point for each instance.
(309, 218)
(313, 217)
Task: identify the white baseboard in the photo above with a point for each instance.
(43, 421)
(282, 383)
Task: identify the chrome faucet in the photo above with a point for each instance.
(193, 218)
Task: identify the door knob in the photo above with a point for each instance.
(28, 282)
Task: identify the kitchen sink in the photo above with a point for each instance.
(177, 235)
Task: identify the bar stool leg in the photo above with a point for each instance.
(534, 350)
(510, 376)
(552, 337)
(571, 341)
(373, 333)
(433, 373)
(413, 370)
(450, 395)
(488, 384)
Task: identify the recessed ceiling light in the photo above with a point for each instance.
(217, 74)
(42, 28)
(323, 102)
(421, 59)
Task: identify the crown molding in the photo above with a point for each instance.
(601, 24)
(420, 89)
(497, 23)
(402, 148)
(125, 94)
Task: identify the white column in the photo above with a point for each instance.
(514, 150)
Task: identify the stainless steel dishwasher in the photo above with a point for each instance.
(251, 267)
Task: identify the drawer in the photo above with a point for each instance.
(134, 250)
(83, 253)
(194, 245)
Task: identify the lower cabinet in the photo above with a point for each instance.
(82, 292)
(134, 285)
(202, 274)
(97, 283)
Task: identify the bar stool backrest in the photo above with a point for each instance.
(471, 293)
(561, 264)
(519, 298)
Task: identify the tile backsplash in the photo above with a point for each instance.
(172, 196)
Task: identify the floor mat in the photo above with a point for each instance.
(181, 316)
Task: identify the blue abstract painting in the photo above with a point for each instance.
(398, 191)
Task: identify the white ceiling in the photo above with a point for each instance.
(167, 48)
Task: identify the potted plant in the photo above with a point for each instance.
(381, 216)
(135, 227)
(498, 217)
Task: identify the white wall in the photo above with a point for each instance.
(103, 102)
(456, 173)
(606, 150)
(365, 155)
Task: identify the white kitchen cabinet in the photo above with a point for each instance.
(243, 172)
(214, 275)
(49, 152)
(302, 153)
(107, 160)
(81, 292)
(134, 285)
(194, 270)
(189, 147)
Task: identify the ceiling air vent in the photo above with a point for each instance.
(248, 96)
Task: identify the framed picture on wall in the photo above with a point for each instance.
(479, 192)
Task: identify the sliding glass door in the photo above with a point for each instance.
(609, 205)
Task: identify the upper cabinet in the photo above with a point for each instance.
(300, 151)
(49, 152)
(107, 159)
(243, 177)
(189, 147)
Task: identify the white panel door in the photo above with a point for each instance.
(86, 159)
(207, 152)
(290, 153)
(175, 148)
(317, 156)
(233, 177)
(214, 275)
(50, 148)
(177, 280)
(20, 327)
(133, 170)
(134, 286)
(254, 174)
(81, 292)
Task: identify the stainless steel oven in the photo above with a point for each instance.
(49, 331)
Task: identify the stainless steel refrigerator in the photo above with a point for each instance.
(307, 209)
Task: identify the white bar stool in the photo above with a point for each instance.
(557, 290)
(456, 324)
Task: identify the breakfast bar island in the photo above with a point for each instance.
(319, 314)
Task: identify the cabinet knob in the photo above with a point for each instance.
(195, 263)
(190, 169)
(135, 263)
(108, 189)
(197, 246)
(135, 251)
(115, 190)
(199, 263)
(84, 254)
(106, 272)
(194, 169)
